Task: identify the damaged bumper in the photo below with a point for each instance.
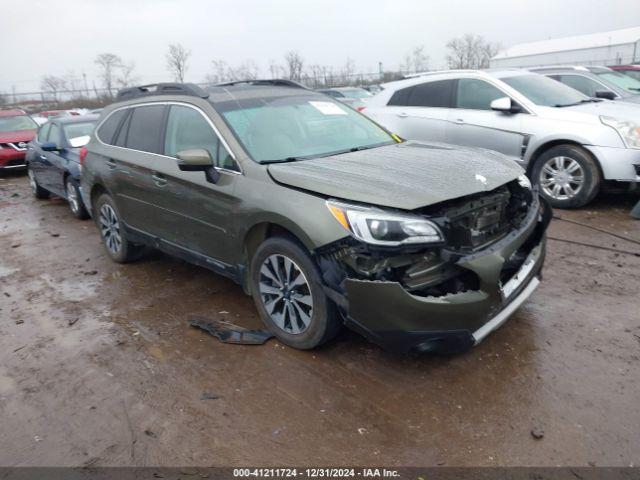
(389, 315)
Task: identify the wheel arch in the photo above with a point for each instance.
(555, 143)
(263, 230)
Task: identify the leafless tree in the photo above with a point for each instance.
(416, 61)
(294, 65)
(52, 85)
(470, 51)
(177, 59)
(108, 63)
(126, 78)
(3, 99)
(276, 70)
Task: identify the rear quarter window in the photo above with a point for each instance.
(107, 130)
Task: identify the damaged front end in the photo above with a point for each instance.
(445, 296)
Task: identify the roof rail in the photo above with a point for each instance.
(274, 82)
(189, 89)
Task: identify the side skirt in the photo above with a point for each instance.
(234, 272)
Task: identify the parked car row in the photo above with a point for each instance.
(568, 142)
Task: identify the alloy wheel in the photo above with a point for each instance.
(561, 178)
(110, 228)
(286, 294)
(72, 197)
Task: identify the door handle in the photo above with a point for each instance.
(459, 121)
(402, 114)
(42, 157)
(159, 180)
(111, 164)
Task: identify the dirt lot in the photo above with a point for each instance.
(98, 365)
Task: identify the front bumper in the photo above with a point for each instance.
(622, 164)
(388, 315)
(10, 158)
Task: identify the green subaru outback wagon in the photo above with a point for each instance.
(320, 214)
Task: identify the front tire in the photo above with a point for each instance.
(76, 205)
(114, 238)
(38, 192)
(287, 290)
(568, 176)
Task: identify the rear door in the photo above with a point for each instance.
(421, 111)
(137, 144)
(474, 124)
(193, 212)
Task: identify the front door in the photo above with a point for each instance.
(474, 124)
(195, 212)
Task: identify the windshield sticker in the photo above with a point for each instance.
(328, 108)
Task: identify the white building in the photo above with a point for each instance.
(618, 47)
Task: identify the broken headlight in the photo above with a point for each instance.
(380, 227)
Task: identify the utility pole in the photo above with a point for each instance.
(380, 70)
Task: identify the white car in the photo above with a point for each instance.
(569, 143)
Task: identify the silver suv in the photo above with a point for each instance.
(569, 143)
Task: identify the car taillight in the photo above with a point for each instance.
(83, 155)
(361, 108)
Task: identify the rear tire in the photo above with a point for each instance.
(287, 290)
(76, 205)
(38, 192)
(114, 237)
(568, 176)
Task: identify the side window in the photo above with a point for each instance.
(121, 138)
(108, 129)
(188, 129)
(400, 97)
(54, 134)
(476, 94)
(583, 84)
(145, 128)
(43, 132)
(431, 94)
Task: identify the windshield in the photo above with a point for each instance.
(622, 81)
(19, 122)
(74, 130)
(356, 93)
(545, 91)
(291, 128)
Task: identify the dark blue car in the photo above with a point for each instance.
(53, 159)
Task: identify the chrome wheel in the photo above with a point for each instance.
(561, 178)
(286, 294)
(110, 228)
(32, 181)
(72, 196)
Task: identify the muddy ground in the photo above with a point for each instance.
(99, 367)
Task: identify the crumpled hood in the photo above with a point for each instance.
(17, 136)
(409, 175)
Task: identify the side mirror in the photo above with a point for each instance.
(607, 94)
(49, 147)
(505, 105)
(78, 142)
(198, 160)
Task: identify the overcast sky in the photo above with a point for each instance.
(39, 37)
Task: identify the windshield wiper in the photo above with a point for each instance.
(586, 100)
